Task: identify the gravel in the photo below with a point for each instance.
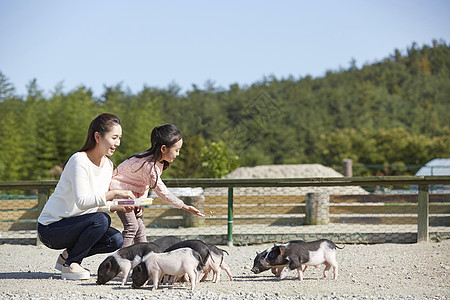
(381, 271)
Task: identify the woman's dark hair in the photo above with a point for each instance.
(167, 135)
(101, 124)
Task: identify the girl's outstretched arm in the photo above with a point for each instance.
(192, 210)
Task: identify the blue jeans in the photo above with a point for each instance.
(82, 236)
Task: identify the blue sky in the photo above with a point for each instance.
(158, 43)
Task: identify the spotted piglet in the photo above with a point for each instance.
(215, 263)
(122, 262)
(176, 262)
(276, 269)
(303, 254)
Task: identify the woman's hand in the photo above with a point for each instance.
(192, 210)
(115, 208)
(120, 194)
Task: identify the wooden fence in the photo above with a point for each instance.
(423, 208)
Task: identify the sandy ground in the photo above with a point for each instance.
(381, 271)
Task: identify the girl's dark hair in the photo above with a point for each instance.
(167, 135)
(101, 124)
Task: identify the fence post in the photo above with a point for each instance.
(348, 167)
(423, 211)
(42, 199)
(317, 209)
(198, 201)
(230, 217)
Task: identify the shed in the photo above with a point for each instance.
(435, 167)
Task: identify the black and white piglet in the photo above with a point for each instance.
(276, 270)
(257, 265)
(303, 254)
(140, 277)
(177, 262)
(123, 261)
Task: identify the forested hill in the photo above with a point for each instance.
(395, 111)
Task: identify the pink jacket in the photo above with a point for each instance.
(138, 175)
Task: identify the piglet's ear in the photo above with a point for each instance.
(108, 265)
(282, 250)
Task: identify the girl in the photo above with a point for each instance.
(74, 217)
(143, 171)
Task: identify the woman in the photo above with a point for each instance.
(75, 217)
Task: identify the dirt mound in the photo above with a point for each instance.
(286, 171)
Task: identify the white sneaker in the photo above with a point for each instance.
(74, 272)
(61, 260)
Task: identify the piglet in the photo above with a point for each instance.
(176, 262)
(215, 263)
(258, 267)
(198, 246)
(165, 242)
(276, 270)
(308, 254)
(123, 261)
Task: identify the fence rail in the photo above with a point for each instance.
(246, 202)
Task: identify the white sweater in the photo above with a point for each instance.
(80, 190)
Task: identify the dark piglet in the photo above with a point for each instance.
(196, 245)
(140, 275)
(257, 266)
(276, 270)
(166, 241)
(303, 254)
(123, 261)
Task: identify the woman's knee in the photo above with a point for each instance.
(102, 219)
(116, 239)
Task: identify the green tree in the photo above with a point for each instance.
(216, 161)
(6, 88)
(138, 118)
(13, 146)
(47, 156)
(75, 112)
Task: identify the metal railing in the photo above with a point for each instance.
(44, 189)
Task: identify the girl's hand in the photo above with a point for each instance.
(119, 194)
(193, 210)
(115, 208)
(139, 211)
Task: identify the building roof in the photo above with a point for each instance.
(435, 167)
